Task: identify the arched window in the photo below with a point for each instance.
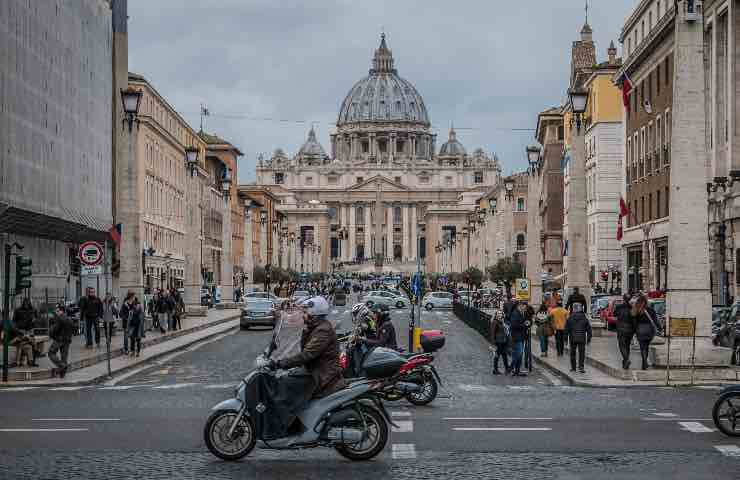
(520, 204)
(521, 242)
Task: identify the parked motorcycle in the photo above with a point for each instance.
(353, 420)
(417, 380)
(726, 411)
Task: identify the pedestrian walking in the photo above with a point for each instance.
(500, 338)
(153, 310)
(110, 314)
(24, 318)
(579, 331)
(518, 328)
(544, 329)
(646, 326)
(61, 334)
(135, 321)
(162, 311)
(576, 298)
(91, 311)
(179, 309)
(626, 328)
(559, 317)
(124, 313)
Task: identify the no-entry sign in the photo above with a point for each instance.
(91, 254)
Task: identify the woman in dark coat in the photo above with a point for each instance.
(645, 326)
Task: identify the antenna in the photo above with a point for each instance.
(203, 113)
(586, 11)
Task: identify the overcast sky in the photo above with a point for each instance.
(488, 66)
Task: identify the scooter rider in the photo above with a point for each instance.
(319, 349)
(386, 336)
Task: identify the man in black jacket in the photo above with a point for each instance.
(576, 297)
(91, 309)
(579, 330)
(518, 324)
(386, 336)
(61, 335)
(625, 330)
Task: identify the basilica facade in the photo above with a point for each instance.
(383, 192)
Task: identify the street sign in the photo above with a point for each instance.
(91, 270)
(682, 327)
(91, 253)
(522, 289)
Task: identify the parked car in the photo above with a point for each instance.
(299, 295)
(258, 312)
(437, 300)
(382, 297)
(340, 298)
(248, 297)
(608, 315)
(598, 303)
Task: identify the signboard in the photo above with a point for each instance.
(682, 327)
(91, 254)
(91, 270)
(522, 289)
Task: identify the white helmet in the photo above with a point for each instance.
(315, 306)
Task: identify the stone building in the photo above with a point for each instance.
(648, 37)
(370, 197)
(56, 112)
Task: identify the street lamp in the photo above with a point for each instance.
(578, 101)
(533, 157)
(493, 202)
(226, 183)
(131, 99)
(263, 217)
(191, 159)
(509, 187)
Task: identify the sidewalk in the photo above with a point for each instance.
(604, 367)
(90, 365)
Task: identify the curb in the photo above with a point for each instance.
(100, 378)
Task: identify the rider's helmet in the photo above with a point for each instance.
(316, 307)
(382, 311)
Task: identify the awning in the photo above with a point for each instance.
(31, 224)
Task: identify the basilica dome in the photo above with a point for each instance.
(452, 147)
(312, 146)
(383, 96)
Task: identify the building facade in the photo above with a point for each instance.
(366, 201)
(56, 97)
(648, 36)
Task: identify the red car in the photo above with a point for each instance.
(607, 314)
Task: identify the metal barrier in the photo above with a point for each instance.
(474, 318)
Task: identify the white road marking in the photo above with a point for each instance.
(17, 389)
(403, 451)
(709, 387)
(68, 389)
(119, 387)
(729, 450)
(519, 387)
(218, 386)
(396, 413)
(404, 426)
(75, 419)
(695, 427)
(502, 429)
(552, 378)
(495, 418)
(665, 414)
(43, 430)
(173, 386)
(676, 419)
(473, 388)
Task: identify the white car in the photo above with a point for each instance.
(437, 300)
(383, 297)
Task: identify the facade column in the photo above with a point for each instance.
(534, 253)
(131, 277)
(414, 240)
(352, 230)
(368, 250)
(227, 264)
(248, 257)
(405, 234)
(193, 251)
(392, 147)
(577, 260)
(389, 232)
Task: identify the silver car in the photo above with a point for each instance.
(437, 300)
(382, 297)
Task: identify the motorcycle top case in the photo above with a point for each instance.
(432, 340)
(382, 362)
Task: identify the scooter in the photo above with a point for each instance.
(726, 411)
(353, 420)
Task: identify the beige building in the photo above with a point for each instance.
(383, 193)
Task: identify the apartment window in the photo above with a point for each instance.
(667, 203)
(478, 177)
(520, 204)
(657, 79)
(397, 215)
(658, 141)
(629, 46)
(360, 180)
(423, 179)
(521, 242)
(658, 206)
(365, 147)
(279, 178)
(642, 209)
(397, 179)
(309, 180)
(650, 206)
(561, 133)
(667, 70)
(360, 215)
(332, 179)
(448, 180)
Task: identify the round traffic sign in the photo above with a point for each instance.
(91, 254)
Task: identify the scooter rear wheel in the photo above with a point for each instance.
(376, 436)
(726, 414)
(216, 433)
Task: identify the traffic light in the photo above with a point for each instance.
(22, 273)
(605, 276)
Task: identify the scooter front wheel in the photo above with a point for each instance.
(726, 414)
(427, 393)
(376, 436)
(217, 438)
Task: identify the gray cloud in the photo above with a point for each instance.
(489, 66)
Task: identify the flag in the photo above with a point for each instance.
(626, 90)
(115, 233)
(623, 212)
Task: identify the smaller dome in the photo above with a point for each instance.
(312, 146)
(452, 146)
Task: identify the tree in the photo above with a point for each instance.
(258, 276)
(505, 271)
(473, 275)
